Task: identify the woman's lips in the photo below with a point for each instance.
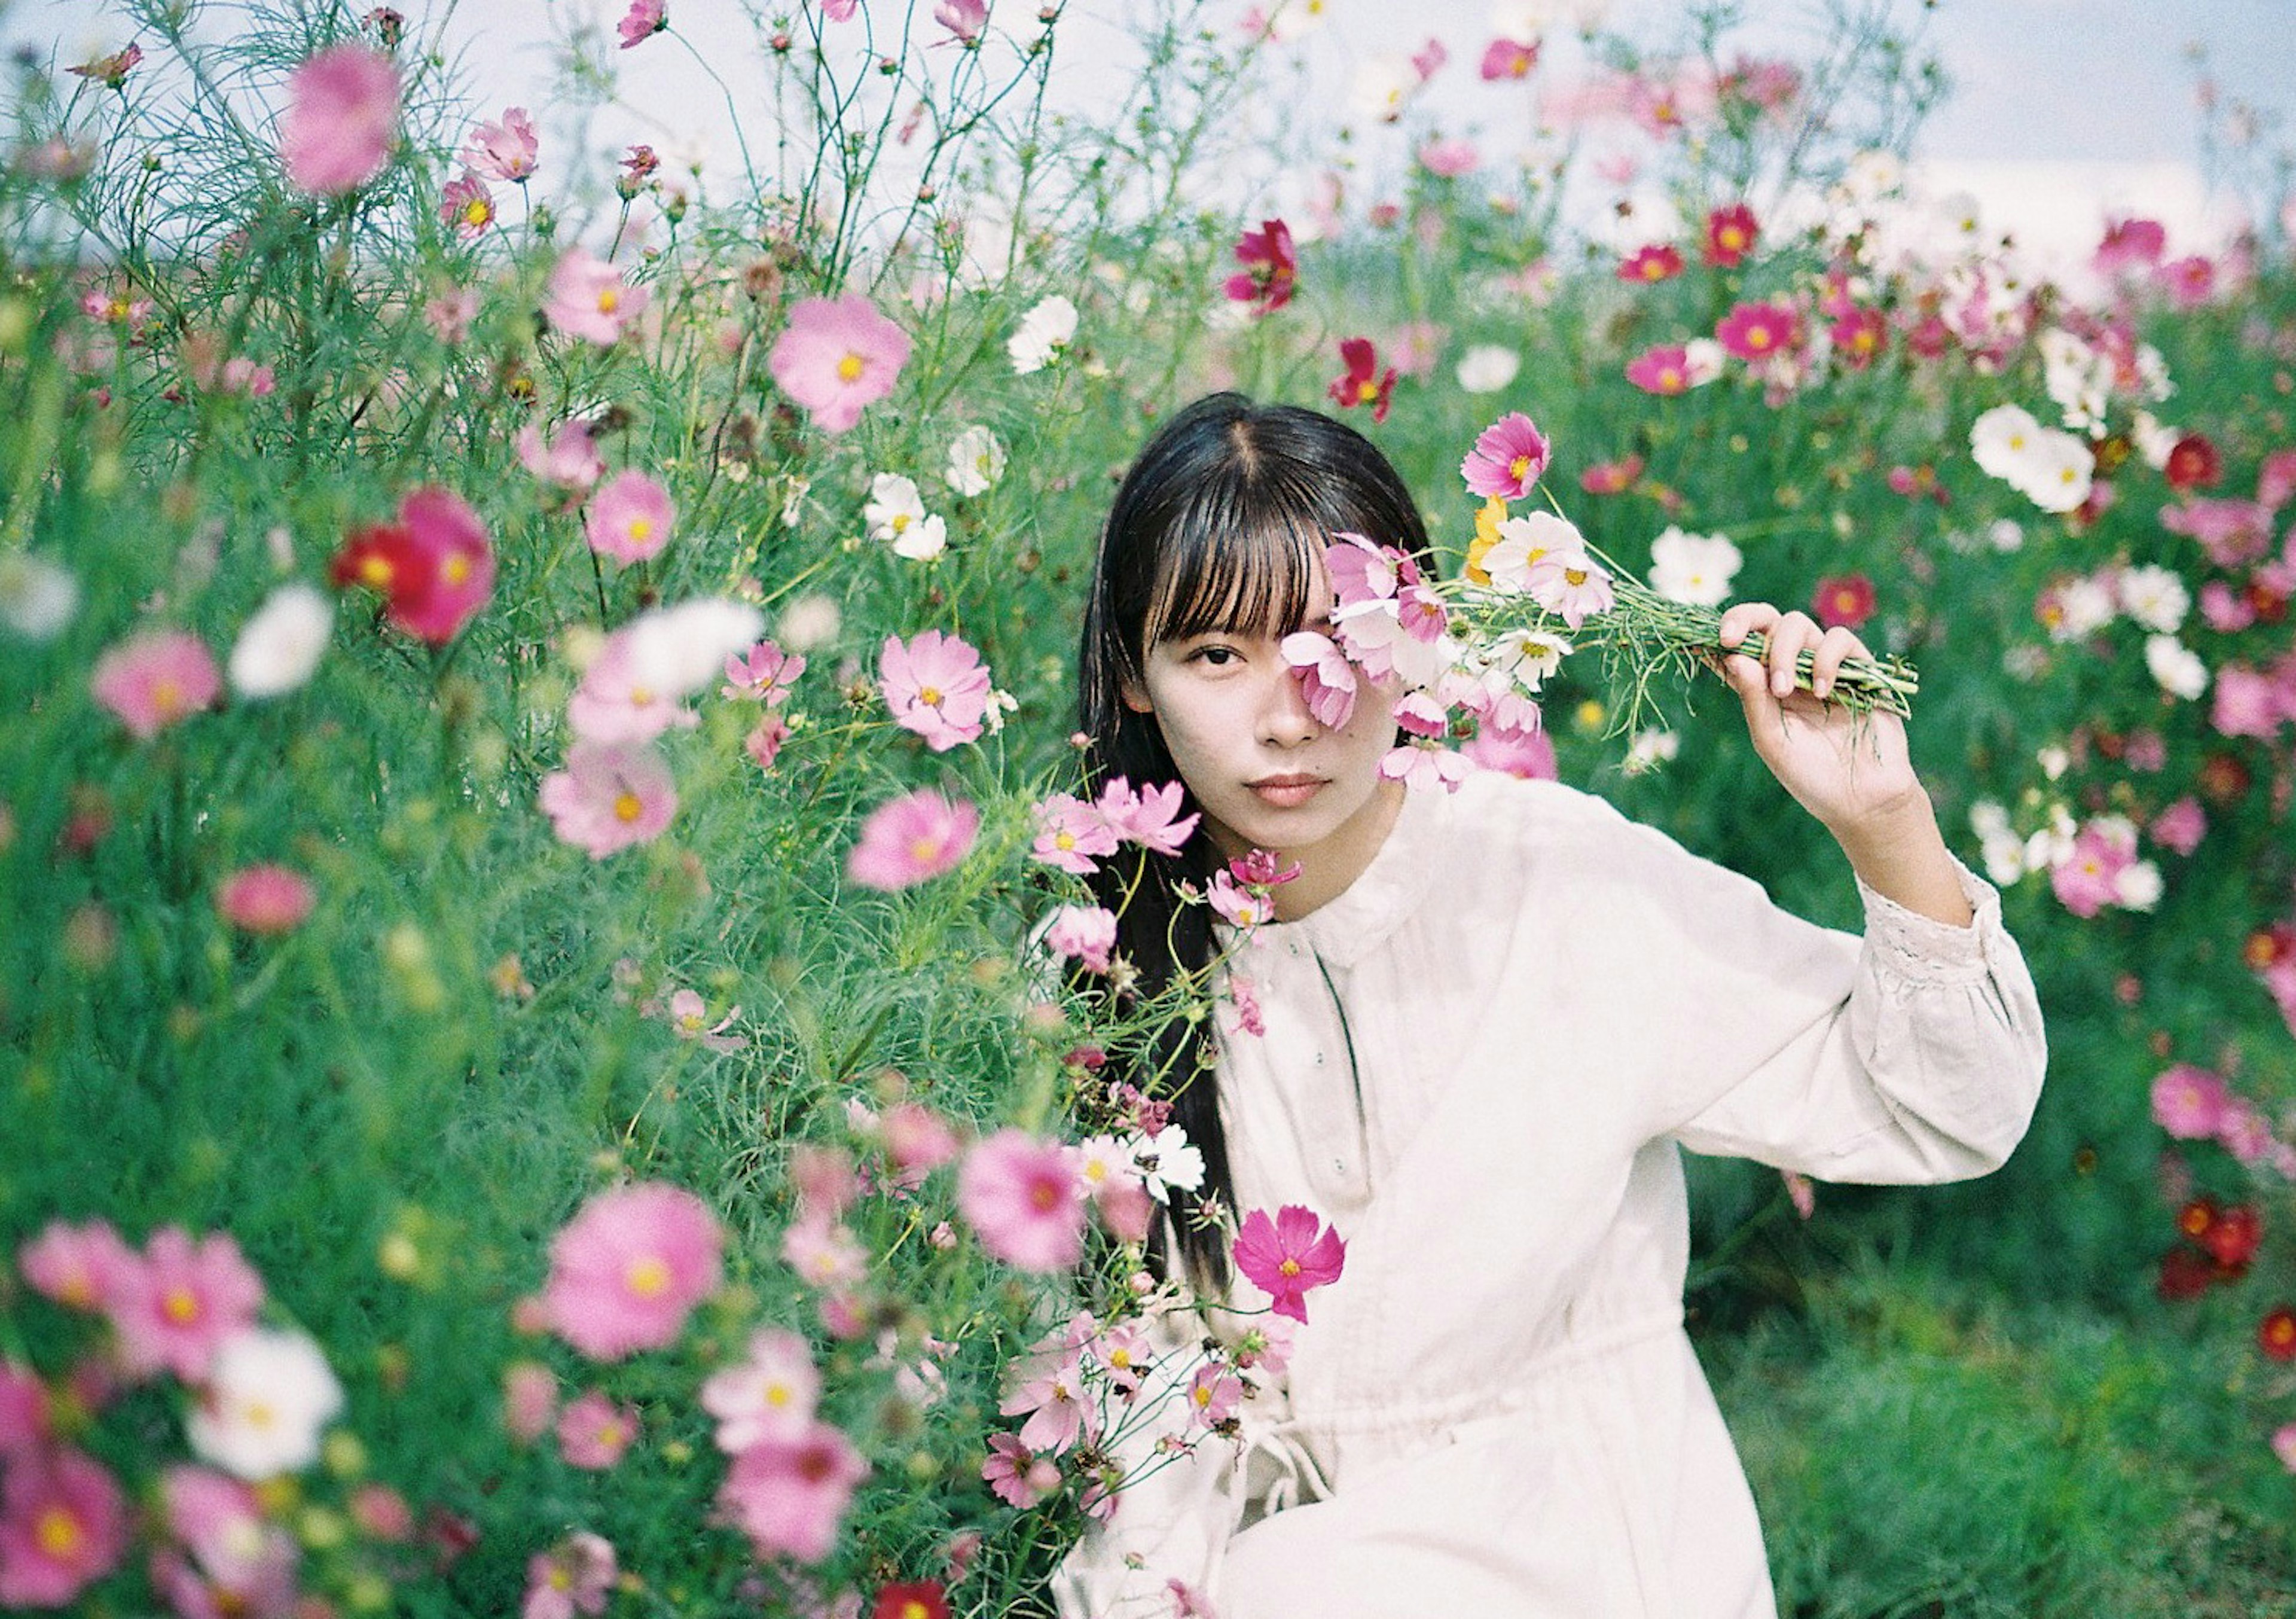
(1288, 792)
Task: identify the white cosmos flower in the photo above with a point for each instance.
(269, 1396)
(1702, 359)
(675, 652)
(1044, 334)
(2154, 596)
(2078, 377)
(2137, 886)
(1102, 1162)
(279, 647)
(809, 623)
(896, 513)
(2153, 438)
(1693, 569)
(1487, 367)
(2084, 605)
(2002, 440)
(1528, 656)
(976, 461)
(1166, 1162)
(1649, 750)
(2057, 471)
(1524, 540)
(37, 599)
(2176, 666)
(1383, 83)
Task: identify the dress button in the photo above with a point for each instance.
(1319, 1059)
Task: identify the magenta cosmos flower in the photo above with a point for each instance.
(342, 109)
(630, 517)
(1020, 1195)
(912, 838)
(1271, 267)
(1662, 370)
(594, 1432)
(1508, 459)
(1288, 1256)
(576, 1576)
(2190, 1102)
(266, 899)
(178, 1301)
(508, 151)
(588, 297)
(76, 1266)
(643, 22)
(962, 18)
(788, 1494)
(628, 1266)
(1757, 332)
(610, 796)
(151, 680)
(837, 355)
(936, 686)
(1731, 234)
(434, 566)
(63, 1525)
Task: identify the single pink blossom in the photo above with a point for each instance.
(763, 745)
(630, 517)
(788, 1494)
(342, 111)
(962, 18)
(1213, 1395)
(1149, 818)
(1019, 1477)
(2181, 826)
(1508, 58)
(2243, 1131)
(179, 1301)
(1507, 460)
(1528, 755)
(467, 206)
(936, 686)
(63, 1525)
(1568, 584)
(1423, 767)
(910, 839)
(2284, 1445)
(627, 1268)
(824, 1254)
(266, 899)
(589, 298)
(2276, 479)
(1663, 370)
(1055, 1399)
(1071, 835)
(2130, 244)
(768, 1394)
(1238, 905)
(576, 1576)
(610, 796)
(507, 151)
(837, 355)
(1327, 679)
(153, 680)
(594, 1432)
(76, 1266)
(225, 1559)
(1271, 269)
(765, 674)
(569, 458)
(2247, 703)
(1083, 933)
(529, 1400)
(917, 1140)
(2189, 281)
(1758, 332)
(839, 11)
(25, 1429)
(1288, 1256)
(1450, 159)
(643, 22)
(2087, 880)
(1020, 1195)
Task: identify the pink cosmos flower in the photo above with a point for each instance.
(643, 22)
(1507, 460)
(449, 314)
(570, 459)
(1731, 234)
(1611, 477)
(823, 1254)
(1053, 1397)
(153, 680)
(2181, 826)
(839, 11)
(837, 355)
(63, 1525)
(2189, 281)
(1237, 905)
(788, 1494)
(936, 686)
(962, 18)
(507, 151)
(1757, 332)
(576, 1576)
(529, 1400)
(1070, 834)
(2130, 244)
(1083, 933)
(1568, 584)
(627, 1268)
(76, 1266)
(342, 111)
(1020, 1195)
(764, 674)
(1450, 159)
(1016, 1474)
(594, 1432)
(434, 566)
(1528, 755)
(1509, 59)
(225, 1559)
(266, 899)
(1327, 679)
(2233, 532)
(2087, 879)
(908, 840)
(631, 518)
(588, 297)
(174, 1305)
(1271, 267)
(763, 745)
(1149, 818)
(1363, 383)
(610, 796)
(1845, 600)
(1663, 370)
(1213, 1395)
(2276, 479)
(1658, 261)
(1859, 337)
(1424, 766)
(769, 1395)
(2247, 703)
(917, 1142)
(24, 1424)
(2243, 1131)
(467, 206)
(1288, 1256)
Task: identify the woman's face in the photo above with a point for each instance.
(1266, 772)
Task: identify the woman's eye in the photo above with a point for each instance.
(1218, 657)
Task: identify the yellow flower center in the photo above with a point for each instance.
(610, 298)
(914, 1609)
(58, 1533)
(1064, 840)
(1653, 269)
(1519, 468)
(627, 808)
(930, 695)
(1758, 337)
(1670, 379)
(849, 368)
(1201, 1393)
(375, 570)
(922, 849)
(259, 1413)
(777, 1394)
(455, 570)
(901, 523)
(648, 1276)
(1574, 577)
(478, 211)
(1367, 392)
(641, 696)
(1290, 1267)
(1732, 238)
(181, 1306)
(167, 696)
(641, 526)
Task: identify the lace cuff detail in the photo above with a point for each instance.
(1910, 947)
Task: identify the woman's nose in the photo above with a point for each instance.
(1284, 720)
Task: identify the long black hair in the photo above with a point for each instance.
(1217, 526)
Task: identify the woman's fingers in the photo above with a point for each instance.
(1837, 646)
(1787, 636)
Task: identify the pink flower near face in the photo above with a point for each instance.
(788, 1494)
(1016, 1474)
(1288, 1256)
(837, 355)
(153, 680)
(769, 1395)
(594, 1432)
(1327, 679)
(1528, 755)
(63, 1525)
(266, 899)
(1570, 584)
(1071, 835)
(569, 459)
(76, 1266)
(910, 839)
(179, 1301)
(1507, 460)
(507, 151)
(628, 1266)
(1213, 1395)
(936, 686)
(342, 111)
(1149, 818)
(574, 1577)
(589, 298)
(610, 796)
(643, 22)
(631, 518)
(1020, 1195)
(1083, 933)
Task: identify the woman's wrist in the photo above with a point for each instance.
(1900, 853)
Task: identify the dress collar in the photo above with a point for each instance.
(1347, 927)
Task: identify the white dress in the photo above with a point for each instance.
(1480, 1063)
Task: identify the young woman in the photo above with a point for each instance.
(1492, 1021)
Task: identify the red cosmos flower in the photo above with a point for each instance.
(1656, 262)
(1845, 600)
(434, 567)
(1363, 384)
(910, 1599)
(2186, 1274)
(2193, 463)
(1755, 332)
(1292, 1253)
(2276, 1335)
(2232, 1240)
(1860, 338)
(1270, 268)
(1731, 234)
(2197, 1217)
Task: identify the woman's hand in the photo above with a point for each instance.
(1851, 771)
